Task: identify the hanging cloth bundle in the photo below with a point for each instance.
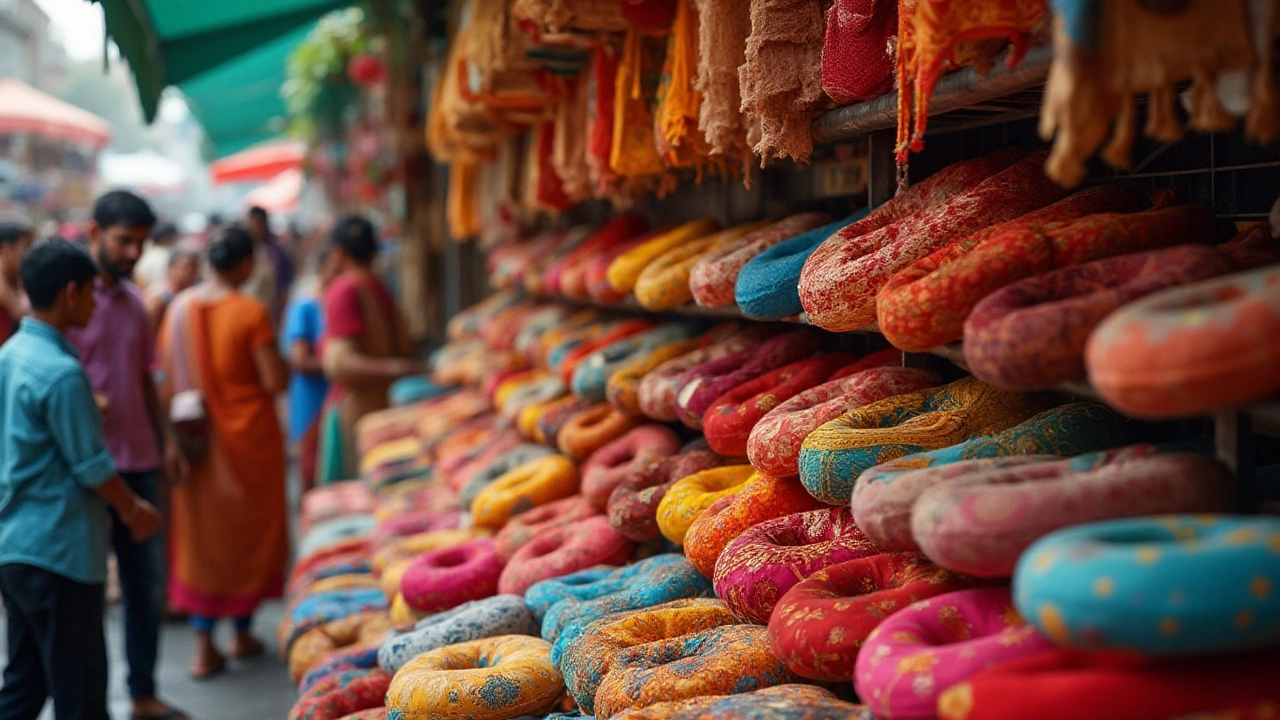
(680, 143)
(460, 206)
(569, 149)
(782, 75)
(560, 15)
(634, 152)
(600, 90)
(934, 35)
(1105, 53)
(857, 57)
(649, 16)
(723, 27)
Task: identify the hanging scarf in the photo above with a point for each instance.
(569, 147)
(723, 27)
(464, 223)
(634, 152)
(561, 15)
(600, 89)
(550, 191)
(649, 16)
(782, 75)
(857, 61)
(680, 143)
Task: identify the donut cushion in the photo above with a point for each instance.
(337, 530)
(701, 386)
(513, 397)
(720, 661)
(688, 497)
(335, 500)
(625, 271)
(659, 388)
(839, 282)
(612, 333)
(413, 523)
(623, 389)
(317, 644)
(1191, 350)
(982, 525)
(590, 658)
(503, 463)
(528, 486)
(820, 625)
(763, 498)
(355, 657)
(714, 277)
(780, 702)
(774, 443)
(314, 610)
(593, 428)
(925, 304)
(633, 506)
(492, 616)
(489, 679)
(595, 274)
(1004, 336)
(609, 466)
(767, 560)
(1166, 585)
(553, 416)
(578, 586)
(834, 454)
(728, 422)
(591, 377)
(664, 283)
(342, 694)
(562, 550)
(922, 650)
(528, 525)
(766, 287)
(1069, 684)
(445, 578)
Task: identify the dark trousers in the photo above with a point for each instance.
(56, 646)
(140, 566)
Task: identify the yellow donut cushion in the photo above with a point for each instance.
(528, 486)
(625, 271)
(689, 497)
(664, 283)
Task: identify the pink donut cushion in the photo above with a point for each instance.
(766, 561)
(444, 579)
(819, 626)
(413, 523)
(633, 506)
(524, 527)
(774, 443)
(714, 277)
(658, 390)
(703, 385)
(562, 550)
(728, 422)
(918, 652)
(981, 524)
(611, 464)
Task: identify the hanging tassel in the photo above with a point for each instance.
(1119, 151)
(1162, 118)
(1207, 113)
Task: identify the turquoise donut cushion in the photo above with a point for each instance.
(768, 286)
(414, 389)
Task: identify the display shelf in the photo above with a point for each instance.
(961, 100)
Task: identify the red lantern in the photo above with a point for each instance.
(366, 70)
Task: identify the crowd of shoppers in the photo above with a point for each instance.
(137, 373)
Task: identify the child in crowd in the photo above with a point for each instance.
(57, 480)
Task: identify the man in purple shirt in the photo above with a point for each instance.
(117, 351)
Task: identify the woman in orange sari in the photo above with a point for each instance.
(228, 528)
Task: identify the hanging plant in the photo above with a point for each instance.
(325, 73)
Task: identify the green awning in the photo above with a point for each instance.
(168, 42)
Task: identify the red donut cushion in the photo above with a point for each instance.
(524, 527)
(610, 465)
(764, 498)
(342, 694)
(562, 550)
(730, 419)
(703, 385)
(819, 626)
(658, 390)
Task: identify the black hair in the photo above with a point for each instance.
(121, 207)
(164, 231)
(231, 247)
(356, 237)
(11, 233)
(50, 266)
(259, 212)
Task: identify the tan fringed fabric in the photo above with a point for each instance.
(561, 15)
(1091, 88)
(782, 76)
(569, 148)
(680, 143)
(723, 27)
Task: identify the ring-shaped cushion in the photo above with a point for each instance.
(305, 613)
(342, 694)
(685, 500)
(658, 580)
(544, 387)
(488, 679)
(840, 280)
(925, 304)
(596, 272)
(593, 428)
(1070, 684)
(767, 560)
(353, 563)
(767, 286)
(611, 463)
(317, 644)
(559, 348)
(586, 661)
(623, 389)
(721, 661)
(335, 531)
(1186, 351)
(834, 454)
(378, 713)
(701, 386)
(454, 449)
(467, 322)
(528, 486)
(763, 498)
(577, 586)
(490, 617)
(728, 422)
(614, 332)
(918, 652)
(625, 271)
(780, 702)
(664, 283)
(355, 657)
(775, 441)
(982, 523)
(615, 231)
(1173, 584)
(413, 523)
(714, 276)
(633, 506)
(527, 525)
(483, 459)
(591, 378)
(563, 550)
(659, 388)
(416, 388)
(550, 417)
(446, 578)
(328, 502)
(394, 557)
(819, 626)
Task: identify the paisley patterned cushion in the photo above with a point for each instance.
(528, 525)
(611, 464)
(633, 506)
(780, 702)
(701, 386)
(713, 278)
(562, 550)
(498, 615)
(767, 286)
(690, 496)
(763, 498)
(342, 694)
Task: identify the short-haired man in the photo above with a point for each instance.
(117, 350)
(273, 271)
(57, 480)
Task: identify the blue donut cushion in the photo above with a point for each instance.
(768, 286)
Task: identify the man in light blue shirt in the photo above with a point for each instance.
(57, 479)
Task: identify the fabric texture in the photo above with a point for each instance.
(857, 61)
(712, 280)
(763, 498)
(781, 79)
(767, 286)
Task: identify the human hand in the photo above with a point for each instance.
(102, 402)
(176, 467)
(143, 520)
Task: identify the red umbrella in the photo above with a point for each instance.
(260, 163)
(23, 109)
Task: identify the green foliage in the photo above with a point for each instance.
(319, 95)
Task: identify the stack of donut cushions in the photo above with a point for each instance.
(617, 515)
